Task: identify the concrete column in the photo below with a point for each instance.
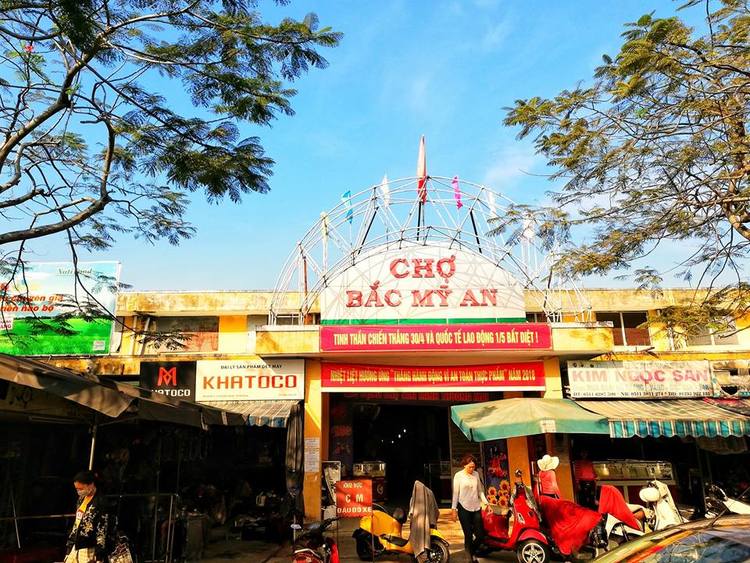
(558, 445)
(233, 333)
(314, 430)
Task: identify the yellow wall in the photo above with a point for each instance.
(233, 333)
(314, 429)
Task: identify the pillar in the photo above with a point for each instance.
(314, 426)
(558, 444)
(233, 333)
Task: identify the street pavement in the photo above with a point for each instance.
(259, 552)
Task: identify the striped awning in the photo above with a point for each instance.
(688, 417)
(259, 413)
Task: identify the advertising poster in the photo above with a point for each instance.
(249, 380)
(173, 379)
(32, 305)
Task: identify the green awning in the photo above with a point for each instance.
(508, 418)
(668, 418)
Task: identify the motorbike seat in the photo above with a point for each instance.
(395, 540)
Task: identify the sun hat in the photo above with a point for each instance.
(548, 463)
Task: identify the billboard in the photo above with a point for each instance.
(640, 380)
(173, 379)
(249, 380)
(416, 284)
(33, 304)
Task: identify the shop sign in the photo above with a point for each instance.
(354, 498)
(436, 338)
(422, 284)
(522, 376)
(173, 379)
(639, 380)
(249, 380)
(44, 293)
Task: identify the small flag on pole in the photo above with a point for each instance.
(422, 172)
(385, 189)
(346, 198)
(457, 192)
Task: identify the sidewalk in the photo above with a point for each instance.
(259, 552)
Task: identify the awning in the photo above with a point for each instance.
(508, 418)
(685, 417)
(258, 413)
(112, 399)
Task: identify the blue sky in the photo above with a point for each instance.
(444, 69)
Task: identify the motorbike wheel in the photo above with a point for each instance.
(439, 552)
(532, 551)
(364, 550)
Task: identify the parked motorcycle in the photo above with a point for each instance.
(719, 503)
(517, 528)
(388, 540)
(661, 510)
(312, 546)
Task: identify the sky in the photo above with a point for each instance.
(405, 68)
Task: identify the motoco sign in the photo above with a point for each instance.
(249, 380)
(417, 284)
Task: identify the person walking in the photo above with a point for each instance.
(87, 542)
(468, 499)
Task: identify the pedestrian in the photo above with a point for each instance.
(547, 480)
(87, 542)
(468, 500)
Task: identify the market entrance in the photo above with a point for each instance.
(398, 438)
(411, 439)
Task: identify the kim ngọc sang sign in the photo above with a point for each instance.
(639, 380)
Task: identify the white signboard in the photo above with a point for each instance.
(249, 380)
(417, 283)
(636, 380)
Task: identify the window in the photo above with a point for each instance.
(709, 337)
(627, 329)
(536, 318)
(198, 334)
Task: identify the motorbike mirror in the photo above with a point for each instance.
(519, 473)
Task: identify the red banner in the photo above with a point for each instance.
(525, 376)
(408, 338)
(353, 498)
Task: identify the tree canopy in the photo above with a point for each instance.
(112, 112)
(654, 150)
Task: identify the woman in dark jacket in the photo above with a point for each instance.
(87, 542)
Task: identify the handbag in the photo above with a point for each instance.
(121, 552)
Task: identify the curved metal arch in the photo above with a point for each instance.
(384, 215)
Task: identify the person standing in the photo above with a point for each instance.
(87, 542)
(546, 478)
(468, 498)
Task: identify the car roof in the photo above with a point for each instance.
(736, 528)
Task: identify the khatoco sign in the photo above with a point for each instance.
(249, 380)
(419, 284)
(174, 379)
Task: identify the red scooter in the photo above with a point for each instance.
(522, 536)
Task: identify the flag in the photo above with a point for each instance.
(457, 192)
(385, 189)
(346, 198)
(422, 172)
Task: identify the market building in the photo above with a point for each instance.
(381, 321)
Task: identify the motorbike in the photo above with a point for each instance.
(388, 540)
(517, 528)
(661, 511)
(312, 546)
(719, 503)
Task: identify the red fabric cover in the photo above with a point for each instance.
(569, 523)
(495, 525)
(548, 483)
(612, 502)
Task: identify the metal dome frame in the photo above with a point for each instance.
(389, 215)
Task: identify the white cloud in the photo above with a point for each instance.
(511, 164)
